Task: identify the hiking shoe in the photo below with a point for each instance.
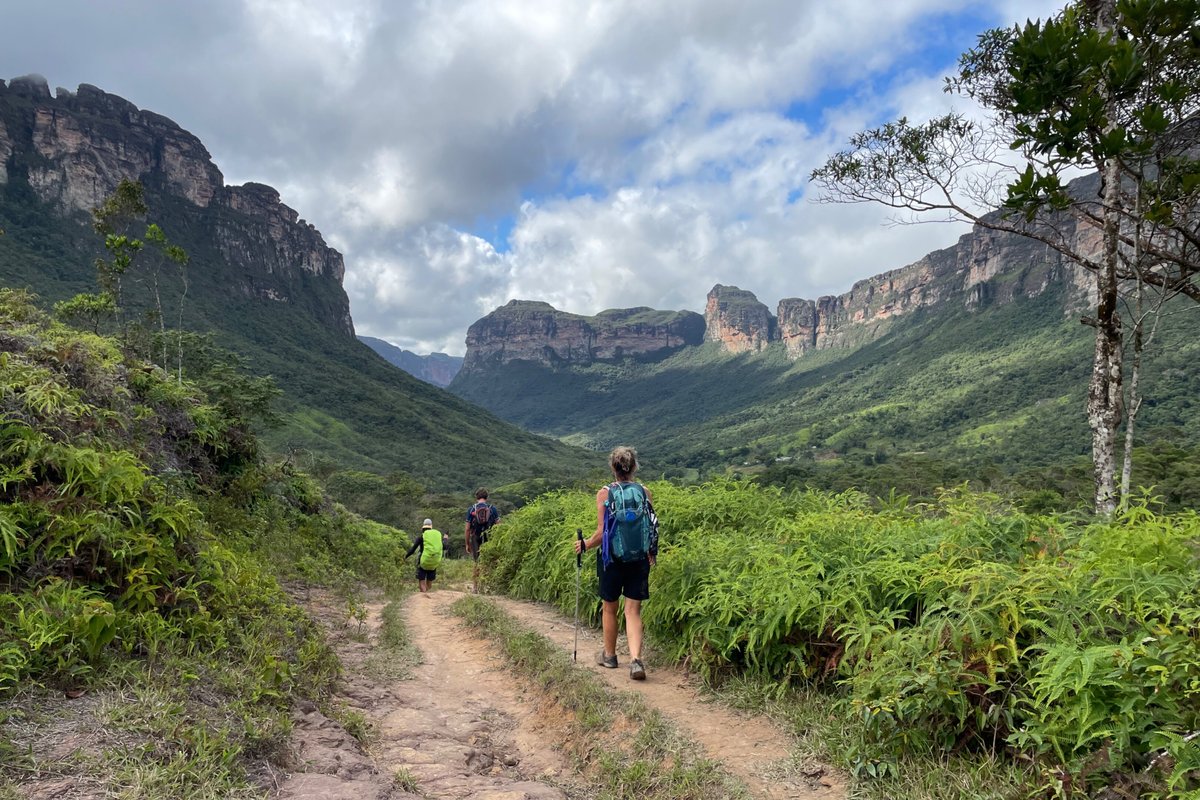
(607, 661)
(637, 670)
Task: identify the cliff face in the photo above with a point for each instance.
(736, 319)
(537, 332)
(75, 147)
(985, 267)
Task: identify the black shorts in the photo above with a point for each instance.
(426, 574)
(631, 579)
(477, 540)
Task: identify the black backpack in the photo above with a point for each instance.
(481, 520)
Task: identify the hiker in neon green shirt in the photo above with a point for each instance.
(429, 543)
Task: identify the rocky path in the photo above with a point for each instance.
(463, 726)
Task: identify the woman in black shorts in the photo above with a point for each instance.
(628, 578)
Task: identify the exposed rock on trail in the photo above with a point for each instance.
(463, 724)
(460, 727)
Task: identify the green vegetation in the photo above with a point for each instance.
(1108, 87)
(640, 316)
(959, 627)
(140, 537)
(627, 748)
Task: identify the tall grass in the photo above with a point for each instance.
(955, 627)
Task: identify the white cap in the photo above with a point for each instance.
(427, 523)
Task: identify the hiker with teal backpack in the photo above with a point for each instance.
(627, 535)
(429, 544)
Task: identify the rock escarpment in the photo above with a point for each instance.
(73, 148)
(985, 267)
(736, 319)
(537, 332)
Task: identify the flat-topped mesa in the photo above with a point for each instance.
(525, 330)
(985, 267)
(735, 318)
(74, 148)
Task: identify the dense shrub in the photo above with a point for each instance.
(958, 625)
(139, 525)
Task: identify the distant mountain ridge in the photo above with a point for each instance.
(985, 267)
(524, 330)
(974, 352)
(436, 368)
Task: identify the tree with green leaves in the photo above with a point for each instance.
(116, 219)
(1110, 87)
(87, 309)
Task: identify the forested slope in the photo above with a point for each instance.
(993, 390)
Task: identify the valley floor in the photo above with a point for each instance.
(460, 724)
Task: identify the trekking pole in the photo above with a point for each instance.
(578, 572)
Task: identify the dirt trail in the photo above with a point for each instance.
(460, 727)
(474, 708)
(751, 748)
(463, 726)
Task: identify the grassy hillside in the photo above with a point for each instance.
(1003, 386)
(341, 401)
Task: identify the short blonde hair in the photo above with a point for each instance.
(623, 461)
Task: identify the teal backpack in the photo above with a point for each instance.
(632, 533)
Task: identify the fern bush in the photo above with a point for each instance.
(957, 626)
(141, 536)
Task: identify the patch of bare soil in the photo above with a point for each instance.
(461, 726)
(752, 748)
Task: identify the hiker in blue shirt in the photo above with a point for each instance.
(480, 519)
(627, 535)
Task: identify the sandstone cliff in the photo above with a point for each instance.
(984, 267)
(73, 148)
(537, 332)
(736, 319)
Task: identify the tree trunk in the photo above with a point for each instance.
(1135, 398)
(1104, 406)
(1104, 390)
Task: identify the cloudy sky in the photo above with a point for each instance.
(590, 153)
